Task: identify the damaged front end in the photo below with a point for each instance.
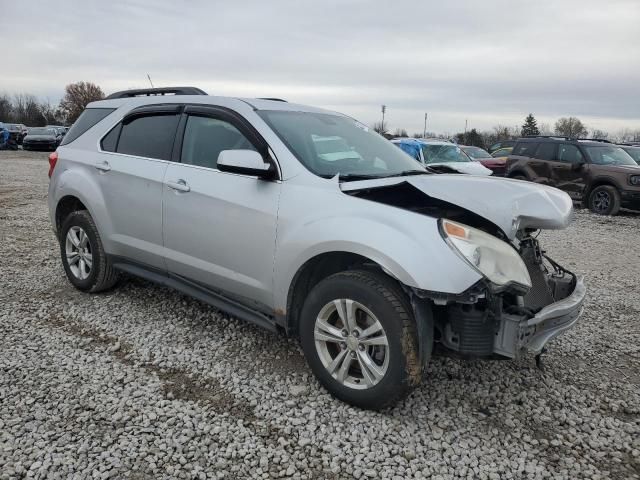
(493, 321)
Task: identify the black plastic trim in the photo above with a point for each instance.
(195, 290)
(142, 92)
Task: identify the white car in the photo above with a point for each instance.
(440, 155)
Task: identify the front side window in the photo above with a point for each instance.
(609, 155)
(149, 136)
(330, 145)
(205, 138)
(634, 152)
(443, 154)
(569, 153)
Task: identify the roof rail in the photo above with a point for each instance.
(549, 136)
(147, 92)
(603, 140)
(272, 99)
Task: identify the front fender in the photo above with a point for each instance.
(407, 245)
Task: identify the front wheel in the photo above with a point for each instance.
(604, 200)
(359, 338)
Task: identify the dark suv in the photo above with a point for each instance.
(597, 173)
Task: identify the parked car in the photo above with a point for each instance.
(633, 151)
(599, 174)
(477, 154)
(17, 131)
(370, 261)
(501, 144)
(42, 138)
(502, 152)
(440, 155)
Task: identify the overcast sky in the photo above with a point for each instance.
(490, 61)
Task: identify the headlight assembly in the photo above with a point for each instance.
(634, 179)
(498, 261)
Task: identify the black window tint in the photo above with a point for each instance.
(525, 149)
(85, 121)
(150, 136)
(205, 138)
(546, 151)
(110, 140)
(569, 153)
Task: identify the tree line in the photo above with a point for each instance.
(28, 109)
(566, 126)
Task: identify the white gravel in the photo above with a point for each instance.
(143, 382)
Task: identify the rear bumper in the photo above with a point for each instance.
(516, 335)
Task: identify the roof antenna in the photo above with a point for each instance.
(150, 81)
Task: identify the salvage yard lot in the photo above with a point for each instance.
(143, 382)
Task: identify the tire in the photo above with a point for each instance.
(373, 297)
(92, 270)
(604, 200)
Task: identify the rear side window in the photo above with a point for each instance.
(205, 138)
(149, 136)
(525, 149)
(546, 151)
(569, 153)
(85, 121)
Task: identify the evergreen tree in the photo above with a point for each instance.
(530, 126)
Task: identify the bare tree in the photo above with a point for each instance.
(381, 128)
(400, 132)
(77, 96)
(5, 108)
(570, 127)
(628, 135)
(545, 129)
(600, 134)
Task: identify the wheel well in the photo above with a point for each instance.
(314, 271)
(516, 173)
(67, 205)
(596, 184)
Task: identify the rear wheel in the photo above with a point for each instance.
(604, 200)
(85, 262)
(359, 337)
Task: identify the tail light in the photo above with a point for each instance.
(53, 159)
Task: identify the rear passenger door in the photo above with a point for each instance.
(130, 172)
(220, 227)
(568, 172)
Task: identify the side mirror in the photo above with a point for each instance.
(245, 162)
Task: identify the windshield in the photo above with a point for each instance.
(476, 152)
(609, 155)
(329, 145)
(443, 154)
(41, 131)
(634, 152)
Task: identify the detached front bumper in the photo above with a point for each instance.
(516, 335)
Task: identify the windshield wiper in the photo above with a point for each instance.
(349, 177)
(406, 173)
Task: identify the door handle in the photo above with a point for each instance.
(179, 185)
(103, 166)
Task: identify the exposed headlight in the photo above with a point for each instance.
(634, 179)
(498, 261)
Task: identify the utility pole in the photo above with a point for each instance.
(384, 109)
(465, 130)
(149, 77)
(424, 133)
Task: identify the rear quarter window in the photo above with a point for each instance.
(525, 149)
(86, 120)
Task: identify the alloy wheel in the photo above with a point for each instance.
(601, 201)
(78, 251)
(351, 344)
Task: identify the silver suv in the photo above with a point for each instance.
(305, 221)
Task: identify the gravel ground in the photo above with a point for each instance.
(143, 382)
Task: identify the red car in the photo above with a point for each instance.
(497, 165)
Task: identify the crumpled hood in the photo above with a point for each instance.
(470, 168)
(509, 204)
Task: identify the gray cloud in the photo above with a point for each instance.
(489, 62)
